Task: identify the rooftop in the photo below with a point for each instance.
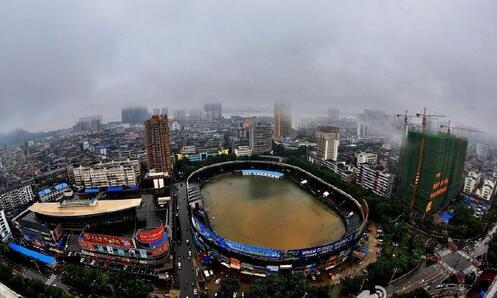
(101, 207)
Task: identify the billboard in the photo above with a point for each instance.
(268, 253)
(150, 235)
(107, 240)
(161, 249)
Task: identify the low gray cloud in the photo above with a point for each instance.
(60, 60)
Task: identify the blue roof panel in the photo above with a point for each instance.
(61, 186)
(92, 190)
(49, 260)
(115, 188)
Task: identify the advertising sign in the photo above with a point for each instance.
(161, 249)
(261, 252)
(57, 232)
(108, 240)
(151, 235)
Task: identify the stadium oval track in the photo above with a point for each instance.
(260, 261)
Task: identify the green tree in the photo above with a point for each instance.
(417, 293)
(228, 287)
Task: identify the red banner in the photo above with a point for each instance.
(161, 249)
(108, 240)
(151, 235)
(85, 245)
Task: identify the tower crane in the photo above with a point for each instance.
(406, 117)
(425, 117)
(450, 128)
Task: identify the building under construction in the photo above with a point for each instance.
(432, 167)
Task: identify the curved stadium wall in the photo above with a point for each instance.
(250, 258)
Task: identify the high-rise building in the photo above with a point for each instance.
(195, 115)
(16, 198)
(328, 140)
(89, 124)
(379, 182)
(260, 138)
(113, 173)
(471, 182)
(333, 116)
(179, 115)
(213, 111)
(156, 111)
(134, 115)
(164, 111)
(5, 232)
(158, 144)
(487, 190)
(431, 169)
(482, 151)
(282, 120)
(362, 130)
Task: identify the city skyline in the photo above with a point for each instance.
(105, 56)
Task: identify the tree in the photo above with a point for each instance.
(277, 286)
(228, 287)
(417, 293)
(351, 286)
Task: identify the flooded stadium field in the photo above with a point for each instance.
(269, 213)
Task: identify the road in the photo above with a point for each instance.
(52, 280)
(426, 276)
(185, 274)
(435, 274)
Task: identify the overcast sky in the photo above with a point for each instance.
(60, 60)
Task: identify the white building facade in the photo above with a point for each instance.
(379, 182)
(364, 157)
(16, 198)
(328, 140)
(5, 232)
(114, 173)
(471, 182)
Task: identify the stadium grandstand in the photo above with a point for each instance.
(260, 261)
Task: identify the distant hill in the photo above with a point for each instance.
(20, 136)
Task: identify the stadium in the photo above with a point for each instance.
(264, 217)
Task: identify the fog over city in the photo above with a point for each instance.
(61, 60)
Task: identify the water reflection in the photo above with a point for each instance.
(269, 213)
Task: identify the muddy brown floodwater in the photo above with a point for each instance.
(269, 213)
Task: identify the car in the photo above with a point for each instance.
(195, 292)
(190, 253)
(179, 265)
(187, 241)
(218, 281)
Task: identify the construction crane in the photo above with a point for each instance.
(450, 128)
(406, 117)
(419, 164)
(425, 117)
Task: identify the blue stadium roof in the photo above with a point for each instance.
(49, 260)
